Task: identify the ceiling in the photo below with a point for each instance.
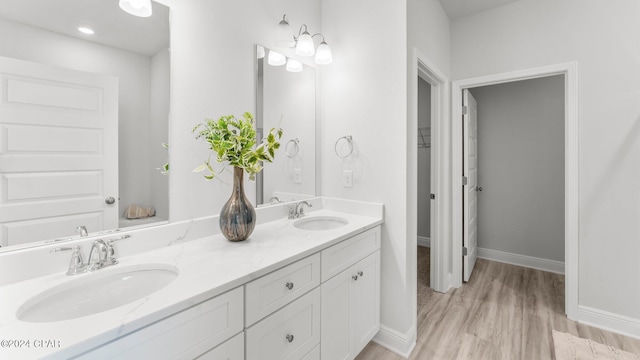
(113, 27)
(460, 8)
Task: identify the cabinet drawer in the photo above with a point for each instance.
(288, 334)
(273, 291)
(232, 349)
(184, 335)
(342, 255)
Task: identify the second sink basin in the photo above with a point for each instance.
(97, 292)
(320, 223)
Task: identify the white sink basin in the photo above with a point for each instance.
(320, 223)
(96, 292)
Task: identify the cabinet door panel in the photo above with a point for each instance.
(343, 255)
(287, 334)
(274, 290)
(183, 335)
(366, 300)
(336, 317)
(232, 349)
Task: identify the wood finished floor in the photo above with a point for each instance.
(503, 312)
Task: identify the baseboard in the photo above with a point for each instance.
(424, 241)
(522, 260)
(605, 320)
(401, 344)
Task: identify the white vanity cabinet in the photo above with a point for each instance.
(324, 306)
(351, 298)
(188, 334)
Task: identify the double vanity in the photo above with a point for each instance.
(305, 288)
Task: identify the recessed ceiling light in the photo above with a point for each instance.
(85, 30)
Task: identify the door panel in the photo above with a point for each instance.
(470, 171)
(58, 151)
(367, 300)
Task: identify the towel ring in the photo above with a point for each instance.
(348, 139)
(296, 143)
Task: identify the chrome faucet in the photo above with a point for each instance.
(102, 254)
(297, 210)
(82, 231)
(97, 255)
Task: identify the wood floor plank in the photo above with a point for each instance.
(504, 312)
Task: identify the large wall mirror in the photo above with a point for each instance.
(286, 98)
(82, 119)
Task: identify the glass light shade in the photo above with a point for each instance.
(294, 65)
(323, 54)
(284, 36)
(259, 52)
(141, 8)
(276, 59)
(305, 46)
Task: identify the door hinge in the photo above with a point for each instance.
(464, 251)
(432, 196)
(464, 181)
(465, 109)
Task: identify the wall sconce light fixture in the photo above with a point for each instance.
(141, 8)
(303, 42)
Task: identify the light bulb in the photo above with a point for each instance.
(323, 55)
(276, 59)
(305, 46)
(141, 8)
(294, 65)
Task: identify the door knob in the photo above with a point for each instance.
(110, 200)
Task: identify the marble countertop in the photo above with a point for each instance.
(207, 267)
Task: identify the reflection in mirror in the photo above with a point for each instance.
(286, 99)
(82, 119)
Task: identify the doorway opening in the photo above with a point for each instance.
(570, 160)
(424, 201)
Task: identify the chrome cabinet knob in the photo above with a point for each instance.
(110, 200)
(289, 285)
(360, 273)
(355, 277)
(289, 338)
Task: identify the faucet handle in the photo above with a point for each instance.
(292, 212)
(82, 231)
(76, 265)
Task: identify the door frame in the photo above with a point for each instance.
(571, 180)
(422, 67)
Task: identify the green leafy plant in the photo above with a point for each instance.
(234, 141)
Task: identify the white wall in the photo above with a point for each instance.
(424, 160)
(521, 167)
(133, 73)
(364, 93)
(212, 63)
(602, 36)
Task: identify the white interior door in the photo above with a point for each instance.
(469, 194)
(58, 151)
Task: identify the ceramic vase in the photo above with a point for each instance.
(238, 217)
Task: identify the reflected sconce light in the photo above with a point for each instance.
(303, 42)
(276, 59)
(141, 8)
(294, 65)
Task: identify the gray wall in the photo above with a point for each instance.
(424, 161)
(521, 167)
